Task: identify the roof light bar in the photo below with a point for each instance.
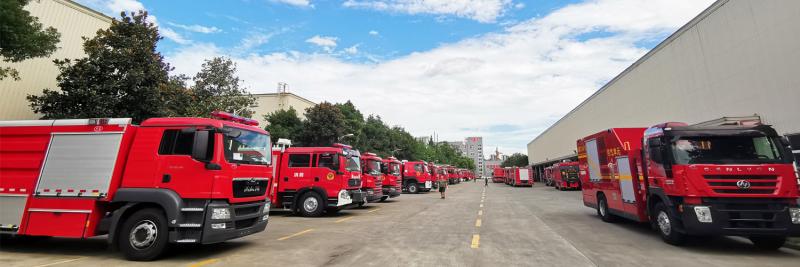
(230, 117)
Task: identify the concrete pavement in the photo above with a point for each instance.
(498, 226)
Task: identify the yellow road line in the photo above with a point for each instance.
(478, 222)
(60, 262)
(476, 241)
(481, 204)
(480, 212)
(295, 234)
(344, 219)
(371, 211)
(205, 262)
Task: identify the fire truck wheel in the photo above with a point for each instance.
(384, 198)
(413, 188)
(311, 205)
(768, 242)
(602, 210)
(666, 225)
(143, 236)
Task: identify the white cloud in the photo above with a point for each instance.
(519, 6)
(479, 10)
(374, 33)
(196, 28)
(300, 3)
(524, 78)
(352, 50)
(173, 36)
(328, 43)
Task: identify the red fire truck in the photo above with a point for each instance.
(565, 176)
(498, 175)
(417, 177)
(391, 169)
(516, 176)
(372, 179)
(452, 177)
(311, 180)
(168, 180)
(692, 180)
(548, 176)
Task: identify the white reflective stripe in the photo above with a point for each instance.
(250, 178)
(60, 210)
(13, 195)
(27, 123)
(66, 122)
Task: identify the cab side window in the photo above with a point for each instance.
(299, 160)
(326, 160)
(174, 142)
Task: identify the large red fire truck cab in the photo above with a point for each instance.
(498, 175)
(417, 177)
(168, 180)
(311, 180)
(372, 177)
(691, 180)
(565, 176)
(391, 169)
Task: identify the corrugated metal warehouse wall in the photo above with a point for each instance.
(737, 58)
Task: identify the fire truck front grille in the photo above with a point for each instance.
(249, 187)
(354, 182)
(750, 214)
(245, 223)
(732, 184)
(244, 211)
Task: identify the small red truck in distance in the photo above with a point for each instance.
(168, 180)
(565, 176)
(417, 177)
(498, 175)
(391, 168)
(692, 180)
(372, 177)
(548, 176)
(311, 180)
(516, 176)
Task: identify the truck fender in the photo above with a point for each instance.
(316, 189)
(114, 222)
(168, 200)
(657, 194)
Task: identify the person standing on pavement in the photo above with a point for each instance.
(442, 185)
(485, 181)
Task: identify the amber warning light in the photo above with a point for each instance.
(230, 117)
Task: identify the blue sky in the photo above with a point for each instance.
(502, 69)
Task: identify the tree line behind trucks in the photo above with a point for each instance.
(182, 180)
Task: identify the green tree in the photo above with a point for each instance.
(22, 36)
(515, 160)
(354, 120)
(122, 76)
(324, 124)
(284, 124)
(216, 87)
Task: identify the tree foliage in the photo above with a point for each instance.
(515, 160)
(122, 76)
(22, 36)
(323, 126)
(284, 124)
(216, 87)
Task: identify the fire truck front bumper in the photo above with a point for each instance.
(741, 217)
(391, 191)
(358, 196)
(373, 195)
(225, 221)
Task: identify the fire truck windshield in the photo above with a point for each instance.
(353, 164)
(246, 147)
(394, 169)
(373, 167)
(726, 149)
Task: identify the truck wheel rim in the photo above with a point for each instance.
(143, 235)
(664, 223)
(602, 208)
(310, 204)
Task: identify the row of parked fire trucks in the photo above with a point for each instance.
(181, 180)
(513, 176)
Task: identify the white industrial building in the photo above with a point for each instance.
(736, 58)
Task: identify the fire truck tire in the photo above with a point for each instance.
(666, 225)
(768, 242)
(311, 205)
(144, 235)
(412, 188)
(603, 211)
(384, 198)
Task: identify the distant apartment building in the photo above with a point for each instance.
(283, 100)
(472, 147)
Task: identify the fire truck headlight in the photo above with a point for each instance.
(218, 226)
(703, 214)
(344, 195)
(794, 213)
(220, 214)
(266, 207)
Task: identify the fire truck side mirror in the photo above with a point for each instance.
(200, 146)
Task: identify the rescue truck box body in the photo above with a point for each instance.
(565, 176)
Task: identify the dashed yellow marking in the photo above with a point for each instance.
(205, 262)
(481, 205)
(478, 222)
(480, 212)
(295, 234)
(60, 262)
(476, 241)
(344, 219)
(371, 211)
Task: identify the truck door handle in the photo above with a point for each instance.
(285, 179)
(166, 178)
(316, 179)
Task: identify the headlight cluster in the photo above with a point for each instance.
(703, 214)
(220, 214)
(794, 213)
(344, 195)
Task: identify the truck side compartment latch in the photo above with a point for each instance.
(166, 178)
